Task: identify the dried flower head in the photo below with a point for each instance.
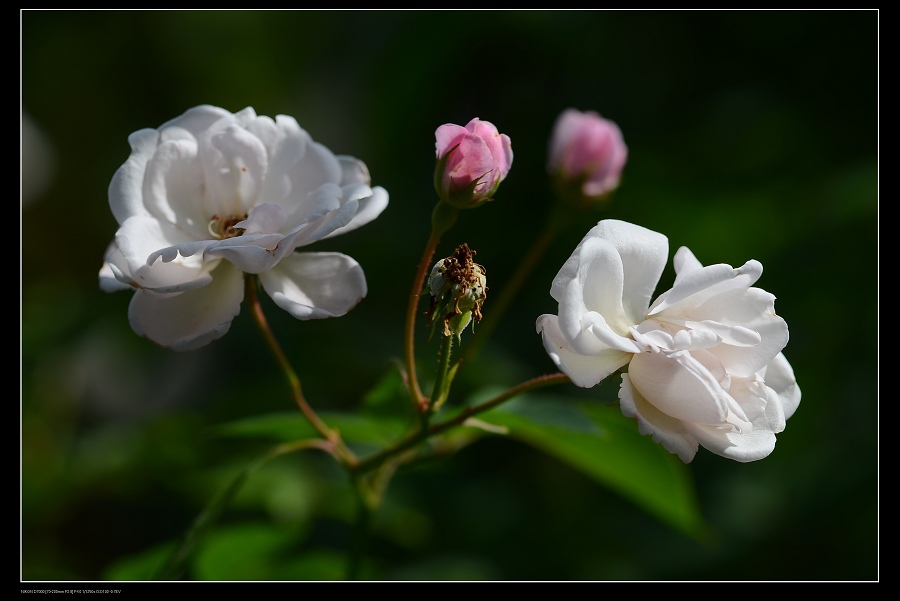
(458, 287)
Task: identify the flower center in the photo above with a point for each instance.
(223, 227)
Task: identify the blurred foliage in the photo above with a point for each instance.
(752, 134)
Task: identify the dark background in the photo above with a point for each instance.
(752, 134)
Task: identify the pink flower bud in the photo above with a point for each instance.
(587, 154)
(471, 162)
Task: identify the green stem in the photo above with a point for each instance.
(177, 561)
(532, 384)
(340, 450)
(439, 394)
(360, 537)
(558, 218)
(411, 440)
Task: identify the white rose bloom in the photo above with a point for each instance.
(211, 195)
(704, 360)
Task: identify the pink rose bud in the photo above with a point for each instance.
(471, 162)
(587, 155)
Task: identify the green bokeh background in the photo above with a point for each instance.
(752, 134)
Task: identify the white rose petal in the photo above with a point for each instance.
(315, 285)
(704, 361)
(189, 320)
(210, 196)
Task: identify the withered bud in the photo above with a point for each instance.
(458, 287)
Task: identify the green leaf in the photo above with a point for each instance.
(389, 396)
(316, 564)
(141, 566)
(241, 552)
(279, 427)
(291, 427)
(175, 565)
(598, 440)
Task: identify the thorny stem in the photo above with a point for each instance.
(376, 460)
(337, 447)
